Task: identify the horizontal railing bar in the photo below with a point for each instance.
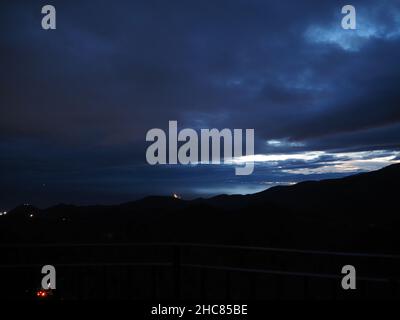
(92, 264)
(216, 246)
(284, 273)
(200, 266)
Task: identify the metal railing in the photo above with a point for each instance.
(182, 261)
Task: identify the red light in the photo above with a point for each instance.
(41, 294)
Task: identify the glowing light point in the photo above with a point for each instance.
(41, 294)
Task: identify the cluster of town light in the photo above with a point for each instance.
(3, 213)
(41, 294)
(44, 293)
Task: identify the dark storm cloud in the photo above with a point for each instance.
(77, 102)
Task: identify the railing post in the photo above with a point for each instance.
(334, 289)
(154, 282)
(306, 287)
(177, 271)
(228, 285)
(393, 288)
(203, 279)
(278, 286)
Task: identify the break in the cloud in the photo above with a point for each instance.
(318, 162)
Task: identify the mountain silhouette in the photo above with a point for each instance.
(356, 211)
(371, 190)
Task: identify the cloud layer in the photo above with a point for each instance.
(76, 103)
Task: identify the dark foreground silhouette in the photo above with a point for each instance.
(354, 214)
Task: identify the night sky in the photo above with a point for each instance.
(76, 102)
